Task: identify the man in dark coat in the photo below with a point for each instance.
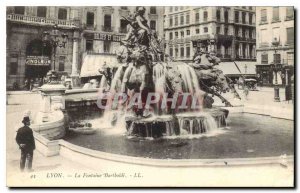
(25, 140)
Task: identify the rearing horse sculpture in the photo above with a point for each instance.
(212, 80)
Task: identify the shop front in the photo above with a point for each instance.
(38, 60)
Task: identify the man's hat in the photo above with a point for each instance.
(26, 120)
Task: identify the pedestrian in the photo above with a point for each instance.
(26, 84)
(31, 84)
(246, 91)
(26, 143)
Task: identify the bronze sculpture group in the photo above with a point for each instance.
(142, 50)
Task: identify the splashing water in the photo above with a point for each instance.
(113, 121)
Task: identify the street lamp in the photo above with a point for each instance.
(276, 68)
(56, 38)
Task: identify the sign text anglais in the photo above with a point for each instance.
(38, 60)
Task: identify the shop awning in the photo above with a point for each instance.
(246, 67)
(92, 63)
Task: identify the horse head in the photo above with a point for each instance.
(174, 80)
(122, 54)
(220, 81)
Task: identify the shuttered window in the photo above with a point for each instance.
(205, 16)
(197, 17)
(62, 14)
(153, 25)
(171, 22)
(275, 13)
(218, 15)
(264, 58)
(152, 10)
(277, 58)
(20, 10)
(90, 19)
(290, 35)
(181, 20)
(188, 51)
(170, 35)
(41, 11)
(182, 52)
(289, 13)
(187, 19)
(263, 15)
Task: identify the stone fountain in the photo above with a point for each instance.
(144, 69)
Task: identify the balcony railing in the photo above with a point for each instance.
(91, 52)
(224, 37)
(201, 37)
(42, 20)
(107, 28)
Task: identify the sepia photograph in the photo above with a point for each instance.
(150, 96)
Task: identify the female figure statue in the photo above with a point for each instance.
(143, 28)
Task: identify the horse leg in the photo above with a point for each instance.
(231, 86)
(211, 91)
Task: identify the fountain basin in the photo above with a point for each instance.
(268, 137)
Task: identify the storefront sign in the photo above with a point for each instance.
(108, 37)
(38, 60)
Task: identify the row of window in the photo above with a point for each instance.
(276, 14)
(42, 12)
(237, 17)
(197, 18)
(152, 9)
(62, 12)
(188, 33)
(176, 52)
(90, 17)
(89, 46)
(108, 23)
(218, 14)
(182, 8)
(177, 8)
(277, 58)
(181, 19)
(264, 33)
(245, 32)
(218, 30)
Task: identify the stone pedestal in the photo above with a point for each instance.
(52, 98)
(50, 119)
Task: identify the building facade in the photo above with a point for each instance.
(232, 29)
(91, 31)
(275, 24)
